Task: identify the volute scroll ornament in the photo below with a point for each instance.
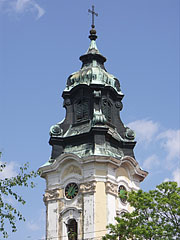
(56, 130)
(111, 188)
(51, 195)
(119, 105)
(67, 102)
(129, 134)
(88, 187)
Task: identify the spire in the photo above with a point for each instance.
(93, 70)
(93, 35)
(93, 52)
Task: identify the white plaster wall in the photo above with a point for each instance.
(52, 220)
(88, 170)
(52, 180)
(111, 172)
(88, 216)
(111, 208)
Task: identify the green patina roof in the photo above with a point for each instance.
(93, 71)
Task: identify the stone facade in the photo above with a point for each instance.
(97, 202)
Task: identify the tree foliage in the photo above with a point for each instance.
(156, 215)
(8, 213)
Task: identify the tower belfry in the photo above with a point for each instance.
(92, 161)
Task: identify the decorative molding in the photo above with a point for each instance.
(72, 169)
(97, 94)
(129, 134)
(56, 130)
(111, 188)
(88, 187)
(71, 210)
(67, 102)
(51, 195)
(120, 212)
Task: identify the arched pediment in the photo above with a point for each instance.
(73, 209)
(133, 167)
(60, 163)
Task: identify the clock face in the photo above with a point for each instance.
(71, 190)
(122, 193)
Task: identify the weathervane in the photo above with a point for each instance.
(93, 31)
(93, 13)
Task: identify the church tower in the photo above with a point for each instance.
(92, 164)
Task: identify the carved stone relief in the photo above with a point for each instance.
(71, 170)
(51, 195)
(88, 187)
(111, 188)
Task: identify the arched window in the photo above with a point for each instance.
(72, 229)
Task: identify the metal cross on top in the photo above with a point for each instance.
(93, 13)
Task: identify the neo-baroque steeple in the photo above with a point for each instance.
(93, 101)
(92, 165)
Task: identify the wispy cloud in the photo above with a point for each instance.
(9, 171)
(165, 145)
(145, 129)
(170, 142)
(151, 162)
(20, 7)
(175, 177)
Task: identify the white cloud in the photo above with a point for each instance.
(21, 7)
(175, 177)
(9, 171)
(145, 130)
(151, 162)
(40, 10)
(165, 145)
(170, 142)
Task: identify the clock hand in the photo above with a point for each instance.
(73, 191)
(70, 190)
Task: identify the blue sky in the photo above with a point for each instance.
(40, 45)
